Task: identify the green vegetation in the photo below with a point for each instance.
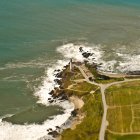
(123, 94)
(110, 80)
(133, 77)
(90, 126)
(81, 89)
(66, 78)
(84, 87)
(76, 74)
(69, 77)
(35, 114)
(124, 107)
(110, 136)
(119, 119)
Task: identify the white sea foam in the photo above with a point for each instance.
(49, 83)
(72, 51)
(9, 131)
(108, 66)
(31, 64)
(129, 63)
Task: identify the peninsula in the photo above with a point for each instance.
(106, 105)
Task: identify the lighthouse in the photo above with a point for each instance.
(70, 64)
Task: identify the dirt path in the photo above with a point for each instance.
(120, 133)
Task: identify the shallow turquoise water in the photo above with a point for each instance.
(31, 30)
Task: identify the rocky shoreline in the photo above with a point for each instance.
(133, 73)
(59, 94)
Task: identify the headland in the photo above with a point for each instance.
(85, 86)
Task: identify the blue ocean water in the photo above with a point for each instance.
(31, 30)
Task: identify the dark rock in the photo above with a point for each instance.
(51, 93)
(99, 65)
(103, 77)
(91, 79)
(53, 133)
(64, 98)
(58, 81)
(56, 89)
(51, 101)
(54, 96)
(74, 112)
(86, 62)
(57, 70)
(50, 133)
(86, 54)
(61, 87)
(81, 49)
(57, 127)
(66, 66)
(133, 73)
(59, 75)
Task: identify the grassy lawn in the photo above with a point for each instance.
(123, 94)
(124, 109)
(84, 86)
(133, 77)
(90, 126)
(119, 119)
(118, 137)
(110, 80)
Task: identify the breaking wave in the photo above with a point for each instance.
(129, 63)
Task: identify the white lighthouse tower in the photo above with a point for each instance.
(70, 64)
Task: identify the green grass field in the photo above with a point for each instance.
(124, 109)
(84, 87)
(118, 137)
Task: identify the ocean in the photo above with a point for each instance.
(37, 37)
